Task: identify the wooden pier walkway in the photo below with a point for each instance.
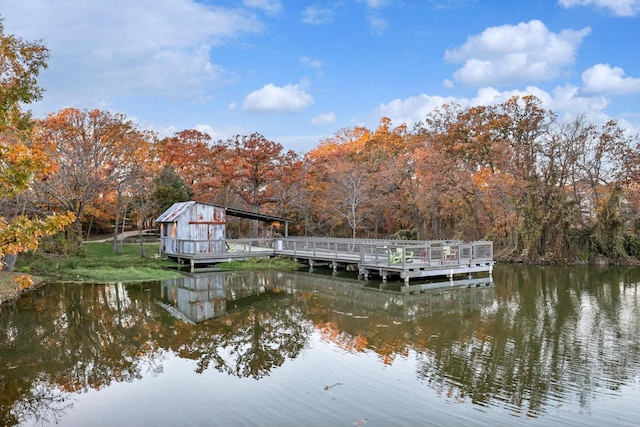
(408, 259)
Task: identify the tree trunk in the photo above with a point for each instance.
(140, 238)
(8, 262)
(117, 221)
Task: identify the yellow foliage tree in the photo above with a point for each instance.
(20, 161)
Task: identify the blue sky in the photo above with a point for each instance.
(297, 71)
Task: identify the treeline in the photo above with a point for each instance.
(543, 188)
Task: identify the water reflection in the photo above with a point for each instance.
(203, 296)
(540, 339)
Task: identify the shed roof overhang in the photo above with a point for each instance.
(172, 214)
(260, 217)
(252, 215)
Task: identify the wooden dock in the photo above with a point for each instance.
(437, 260)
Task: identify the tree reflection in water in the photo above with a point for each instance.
(555, 335)
(540, 337)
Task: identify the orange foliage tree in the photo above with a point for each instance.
(21, 160)
(358, 181)
(97, 153)
(336, 183)
(189, 154)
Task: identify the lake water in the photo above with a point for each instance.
(543, 346)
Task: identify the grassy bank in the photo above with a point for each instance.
(276, 263)
(8, 286)
(98, 264)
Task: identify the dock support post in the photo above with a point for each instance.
(193, 265)
(310, 265)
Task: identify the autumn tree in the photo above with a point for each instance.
(291, 195)
(97, 153)
(360, 177)
(191, 155)
(455, 145)
(336, 182)
(254, 170)
(352, 202)
(599, 178)
(132, 177)
(387, 158)
(142, 204)
(20, 65)
(21, 161)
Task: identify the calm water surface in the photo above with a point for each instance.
(543, 346)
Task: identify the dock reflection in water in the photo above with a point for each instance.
(550, 345)
(198, 297)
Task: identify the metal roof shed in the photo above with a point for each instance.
(200, 228)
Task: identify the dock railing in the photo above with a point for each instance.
(223, 247)
(390, 253)
(429, 253)
(372, 252)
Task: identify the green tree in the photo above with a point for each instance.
(169, 189)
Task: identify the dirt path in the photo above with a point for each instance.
(121, 236)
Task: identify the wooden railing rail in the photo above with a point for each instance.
(382, 252)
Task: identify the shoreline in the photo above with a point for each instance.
(9, 290)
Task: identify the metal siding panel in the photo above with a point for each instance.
(174, 212)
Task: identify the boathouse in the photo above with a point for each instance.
(195, 233)
(190, 230)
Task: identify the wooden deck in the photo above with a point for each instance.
(439, 260)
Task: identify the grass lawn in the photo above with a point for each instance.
(99, 264)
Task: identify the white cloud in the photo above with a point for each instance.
(270, 6)
(607, 80)
(313, 63)
(317, 15)
(567, 99)
(376, 4)
(377, 24)
(617, 7)
(563, 100)
(415, 108)
(220, 134)
(324, 119)
(509, 54)
(124, 48)
(275, 99)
